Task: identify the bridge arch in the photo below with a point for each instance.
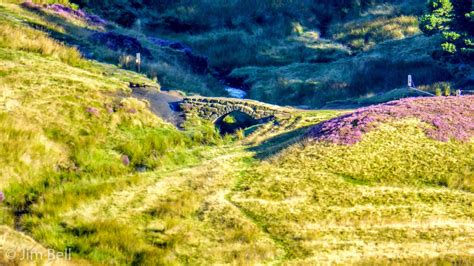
(213, 108)
(235, 120)
(220, 114)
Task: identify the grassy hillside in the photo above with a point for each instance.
(314, 53)
(313, 57)
(370, 203)
(53, 94)
(70, 132)
(87, 167)
(102, 40)
(395, 197)
(383, 68)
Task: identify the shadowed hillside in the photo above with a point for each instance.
(317, 53)
(325, 53)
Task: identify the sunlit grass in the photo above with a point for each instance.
(397, 196)
(364, 35)
(21, 38)
(65, 125)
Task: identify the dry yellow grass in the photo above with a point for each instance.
(366, 34)
(21, 38)
(332, 204)
(186, 213)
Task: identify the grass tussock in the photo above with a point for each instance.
(21, 38)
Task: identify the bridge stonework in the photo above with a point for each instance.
(214, 108)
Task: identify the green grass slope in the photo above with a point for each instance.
(171, 67)
(70, 132)
(374, 202)
(50, 93)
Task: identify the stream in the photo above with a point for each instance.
(236, 93)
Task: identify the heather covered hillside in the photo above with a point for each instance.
(395, 197)
(445, 119)
(273, 132)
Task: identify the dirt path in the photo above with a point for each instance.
(192, 210)
(163, 104)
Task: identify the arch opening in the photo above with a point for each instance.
(234, 121)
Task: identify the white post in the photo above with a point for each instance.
(410, 82)
(411, 85)
(138, 61)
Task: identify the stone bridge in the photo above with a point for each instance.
(213, 108)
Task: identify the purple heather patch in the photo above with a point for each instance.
(450, 117)
(69, 12)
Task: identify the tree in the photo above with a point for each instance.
(455, 21)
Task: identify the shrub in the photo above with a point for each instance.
(447, 91)
(449, 47)
(229, 119)
(453, 19)
(240, 134)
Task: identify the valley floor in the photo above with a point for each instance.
(235, 209)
